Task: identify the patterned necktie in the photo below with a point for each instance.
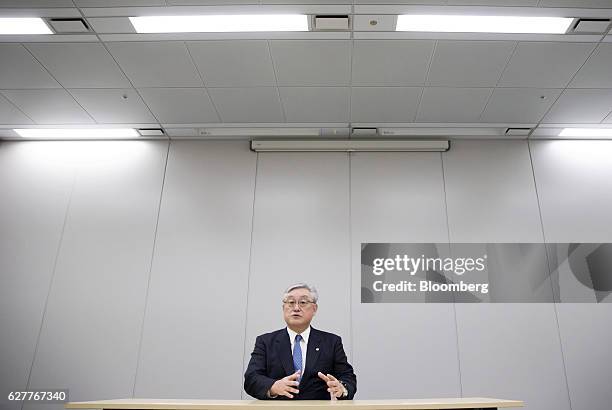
(297, 355)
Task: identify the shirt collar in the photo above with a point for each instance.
(305, 334)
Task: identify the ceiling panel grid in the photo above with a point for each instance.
(115, 76)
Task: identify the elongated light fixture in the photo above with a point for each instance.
(586, 132)
(483, 24)
(348, 145)
(220, 23)
(77, 133)
(23, 25)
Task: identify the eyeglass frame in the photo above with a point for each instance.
(301, 303)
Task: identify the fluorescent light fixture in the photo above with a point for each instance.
(77, 133)
(349, 145)
(23, 25)
(220, 23)
(483, 24)
(586, 132)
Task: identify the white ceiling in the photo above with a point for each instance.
(371, 76)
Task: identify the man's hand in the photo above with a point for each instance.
(285, 386)
(334, 387)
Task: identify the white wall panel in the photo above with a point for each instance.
(574, 181)
(400, 350)
(512, 351)
(586, 338)
(194, 326)
(90, 335)
(301, 233)
(506, 350)
(575, 186)
(35, 189)
(490, 192)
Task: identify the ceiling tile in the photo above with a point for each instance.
(180, 105)
(469, 63)
(306, 2)
(580, 106)
(208, 2)
(492, 2)
(151, 64)
(114, 106)
(576, 3)
(233, 63)
(311, 62)
(316, 104)
(80, 65)
(545, 65)
(49, 106)
(9, 114)
(384, 104)
(452, 104)
(102, 25)
(391, 62)
(519, 105)
(18, 69)
(36, 3)
(259, 104)
(433, 2)
(119, 3)
(597, 72)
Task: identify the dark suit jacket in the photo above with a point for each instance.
(272, 360)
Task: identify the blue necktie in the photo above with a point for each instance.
(297, 355)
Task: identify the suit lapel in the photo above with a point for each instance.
(283, 346)
(312, 353)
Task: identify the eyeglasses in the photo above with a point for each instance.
(301, 303)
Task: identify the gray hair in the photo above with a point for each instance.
(313, 291)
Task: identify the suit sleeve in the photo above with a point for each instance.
(343, 371)
(256, 381)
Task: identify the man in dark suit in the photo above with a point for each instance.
(299, 362)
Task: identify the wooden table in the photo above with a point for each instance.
(413, 404)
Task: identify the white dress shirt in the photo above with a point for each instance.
(303, 344)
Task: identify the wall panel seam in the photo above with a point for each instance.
(350, 234)
(53, 272)
(454, 304)
(546, 252)
(246, 310)
(146, 299)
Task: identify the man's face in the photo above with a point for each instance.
(298, 317)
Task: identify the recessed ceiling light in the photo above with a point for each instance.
(586, 132)
(77, 133)
(483, 24)
(220, 23)
(23, 25)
